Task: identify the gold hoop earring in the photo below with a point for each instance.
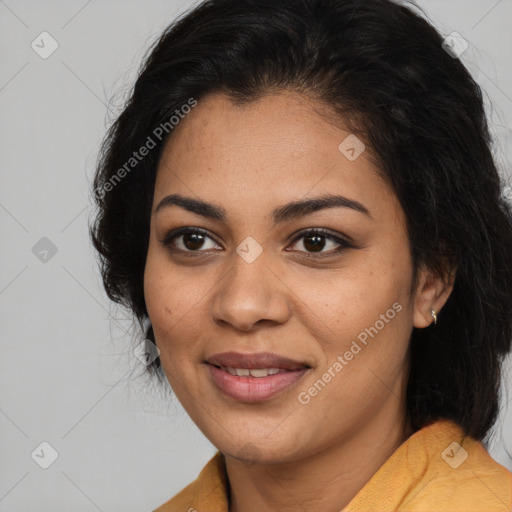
(434, 315)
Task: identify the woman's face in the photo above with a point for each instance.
(330, 312)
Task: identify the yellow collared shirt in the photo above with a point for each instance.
(437, 469)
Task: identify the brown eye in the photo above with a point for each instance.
(189, 240)
(193, 241)
(315, 241)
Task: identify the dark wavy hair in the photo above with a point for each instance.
(382, 68)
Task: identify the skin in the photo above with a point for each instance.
(282, 454)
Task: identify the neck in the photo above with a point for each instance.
(325, 481)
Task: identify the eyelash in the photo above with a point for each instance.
(169, 237)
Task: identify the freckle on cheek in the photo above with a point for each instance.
(167, 310)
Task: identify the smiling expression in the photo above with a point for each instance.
(267, 241)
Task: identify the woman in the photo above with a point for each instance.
(300, 206)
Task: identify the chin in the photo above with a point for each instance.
(257, 451)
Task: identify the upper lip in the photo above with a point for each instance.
(254, 361)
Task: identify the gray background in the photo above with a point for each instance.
(68, 375)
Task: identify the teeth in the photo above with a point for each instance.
(256, 372)
(259, 373)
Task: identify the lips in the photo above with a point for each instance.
(258, 360)
(254, 377)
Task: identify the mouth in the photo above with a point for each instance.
(254, 377)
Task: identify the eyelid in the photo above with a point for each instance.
(338, 238)
(343, 241)
(184, 230)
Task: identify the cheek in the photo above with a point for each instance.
(174, 305)
(369, 302)
(154, 292)
(351, 298)
(161, 304)
(167, 292)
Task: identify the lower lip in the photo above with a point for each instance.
(254, 389)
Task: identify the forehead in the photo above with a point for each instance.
(282, 147)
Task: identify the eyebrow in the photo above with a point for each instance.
(282, 214)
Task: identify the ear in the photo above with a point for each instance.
(432, 291)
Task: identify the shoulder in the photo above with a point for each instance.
(207, 492)
(465, 478)
(438, 469)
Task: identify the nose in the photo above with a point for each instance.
(251, 294)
